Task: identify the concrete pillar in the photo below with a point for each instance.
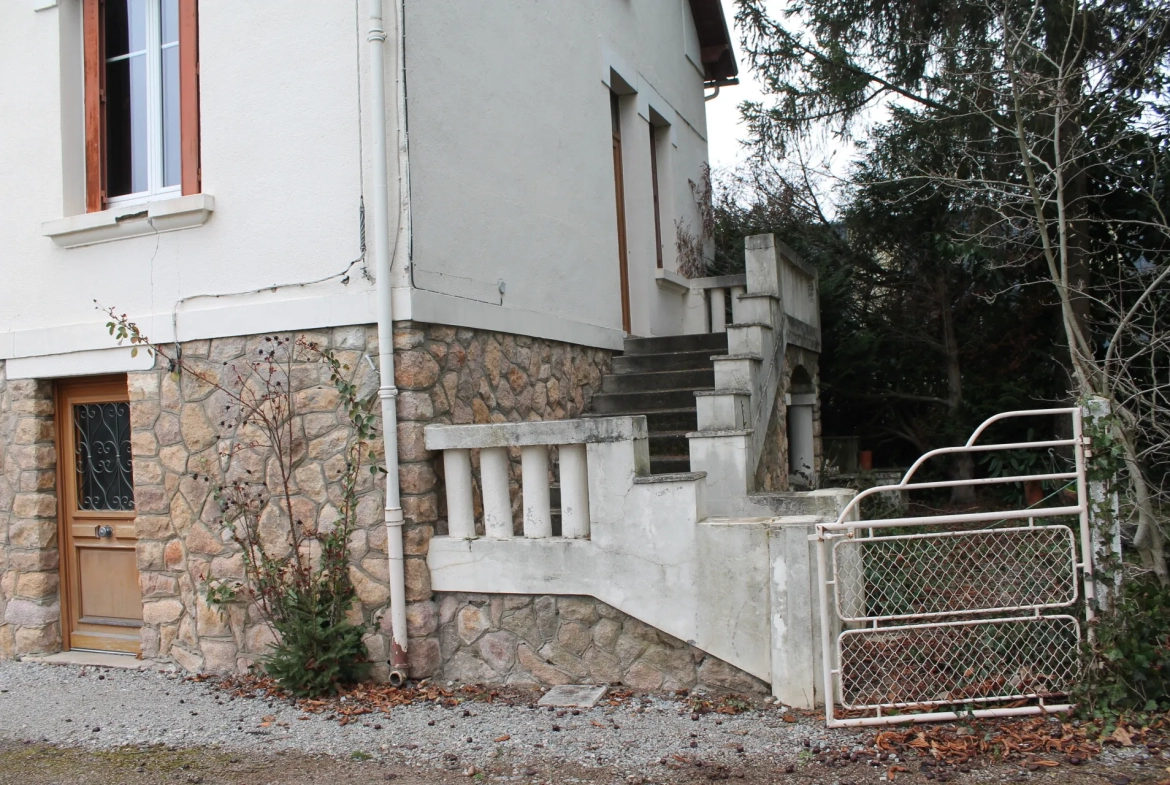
(460, 510)
(534, 476)
(762, 265)
(695, 318)
(718, 310)
(801, 446)
(574, 492)
(497, 504)
(735, 292)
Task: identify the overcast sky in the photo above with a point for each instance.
(724, 131)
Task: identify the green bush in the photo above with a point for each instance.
(315, 654)
(1127, 668)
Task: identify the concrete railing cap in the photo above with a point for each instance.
(592, 430)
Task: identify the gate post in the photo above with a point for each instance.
(1104, 508)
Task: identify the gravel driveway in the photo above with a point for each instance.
(98, 708)
(97, 725)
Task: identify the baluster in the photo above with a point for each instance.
(460, 510)
(574, 492)
(497, 504)
(534, 491)
(736, 291)
(718, 311)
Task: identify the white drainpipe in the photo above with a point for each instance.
(383, 262)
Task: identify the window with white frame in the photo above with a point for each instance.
(141, 100)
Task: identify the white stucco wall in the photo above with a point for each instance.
(511, 158)
(510, 164)
(279, 97)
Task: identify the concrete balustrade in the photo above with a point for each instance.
(706, 299)
(594, 454)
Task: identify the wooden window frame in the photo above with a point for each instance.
(96, 197)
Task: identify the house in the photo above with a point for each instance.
(490, 198)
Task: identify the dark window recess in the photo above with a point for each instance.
(654, 187)
(105, 474)
(125, 51)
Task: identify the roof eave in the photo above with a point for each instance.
(715, 49)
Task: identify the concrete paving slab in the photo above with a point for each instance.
(98, 659)
(577, 696)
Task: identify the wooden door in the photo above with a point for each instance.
(620, 198)
(101, 599)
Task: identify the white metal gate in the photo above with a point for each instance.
(978, 612)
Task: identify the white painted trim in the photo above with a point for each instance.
(91, 363)
(134, 220)
(443, 309)
(257, 313)
(217, 318)
(612, 62)
(649, 98)
(43, 5)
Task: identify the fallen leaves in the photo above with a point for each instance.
(500, 739)
(1004, 739)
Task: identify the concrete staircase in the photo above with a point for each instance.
(658, 377)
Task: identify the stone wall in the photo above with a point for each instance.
(180, 435)
(456, 375)
(184, 441)
(545, 640)
(30, 609)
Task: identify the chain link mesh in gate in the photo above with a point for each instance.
(944, 573)
(958, 662)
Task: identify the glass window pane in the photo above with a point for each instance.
(105, 474)
(136, 13)
(170, 21)
(125, 27)
(172, 158)
(126, 126)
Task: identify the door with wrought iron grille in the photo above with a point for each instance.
(934, 616)
(101, 598)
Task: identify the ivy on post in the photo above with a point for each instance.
(1105, 459)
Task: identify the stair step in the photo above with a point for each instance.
(696, 379)
(676, 343)
(670, 464)
(666, 443)
(645, 401)
(666, 361)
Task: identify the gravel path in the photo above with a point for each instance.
(98, 708)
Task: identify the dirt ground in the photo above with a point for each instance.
(37, 764)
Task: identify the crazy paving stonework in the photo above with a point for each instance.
(180, 437)
(30, 609)
(456, 375)
(521, 639)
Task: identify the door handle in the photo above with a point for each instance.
(104, 531)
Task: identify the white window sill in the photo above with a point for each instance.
(671, 282)
(122, 221)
